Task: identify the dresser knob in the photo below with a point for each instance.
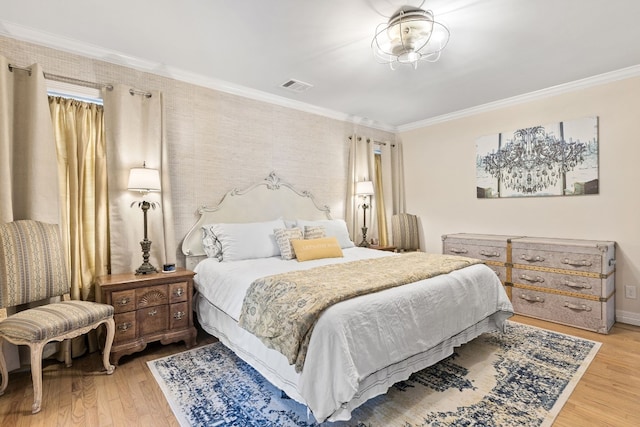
(124, 327)
(153, 312)
(531, 279)
(531, 299)
(458, 251)
(178, 292)
(488, 254)
(579, 307)
(179, 315)
(583, 263)
(576, 285)
(530, 258)
(124, 301)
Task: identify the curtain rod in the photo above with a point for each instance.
(80, 82)
(375, 142)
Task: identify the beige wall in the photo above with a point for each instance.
(441, 187)
(219, 141)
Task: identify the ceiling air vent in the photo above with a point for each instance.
(296, 86)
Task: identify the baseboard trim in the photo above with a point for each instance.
(628, 317)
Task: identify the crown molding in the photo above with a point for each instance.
(624, 73)
(27, 34)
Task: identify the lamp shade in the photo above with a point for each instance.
(144, 180)
(364, 188)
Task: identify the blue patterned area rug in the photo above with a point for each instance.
(519, 378)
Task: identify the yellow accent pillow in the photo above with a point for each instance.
(327, 247)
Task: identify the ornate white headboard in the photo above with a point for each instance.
(264, 201)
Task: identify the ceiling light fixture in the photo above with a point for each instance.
(410, 35)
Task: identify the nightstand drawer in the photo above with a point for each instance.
(178, 292)
(179, 316)
(151, 296)
(125, 326)
(152, 319)
(124, 301)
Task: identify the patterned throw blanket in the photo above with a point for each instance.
(281, 310)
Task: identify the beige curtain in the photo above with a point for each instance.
(134, 124)
(380, 210)
(361, 168)
(28, 170)
(399, 203)
(82, 172)
(382, 163)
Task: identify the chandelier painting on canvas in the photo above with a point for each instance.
(558, 159)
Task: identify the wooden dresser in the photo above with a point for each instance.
(567, 281)
(150, 307)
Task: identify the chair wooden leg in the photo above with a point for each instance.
(106, 352)
(36, 375)
(66, 351)
(3, 369)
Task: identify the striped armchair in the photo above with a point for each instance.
(406, 236)
(32, 268)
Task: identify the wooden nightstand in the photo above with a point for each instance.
(383, 248)
(150, 307)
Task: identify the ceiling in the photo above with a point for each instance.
(498, 49)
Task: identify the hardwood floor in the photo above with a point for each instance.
(607, 395)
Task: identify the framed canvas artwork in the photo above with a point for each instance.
(557, 159)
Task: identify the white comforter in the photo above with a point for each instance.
(356, 338)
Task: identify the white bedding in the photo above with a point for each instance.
(361, 346)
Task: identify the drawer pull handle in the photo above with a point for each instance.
(153, 312)
(583, 263)
(488, 254)
(581, 307)
(124, 301)
(179, 315)
(124, 327)
(458, 251)
(531, 299)
(576, 285)
(530, 258)
(532, 279)
(178, 292)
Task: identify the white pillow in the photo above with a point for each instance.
(241, 241)
(332, 228)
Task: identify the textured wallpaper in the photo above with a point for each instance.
(219, 141)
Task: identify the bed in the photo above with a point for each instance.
(359, 347)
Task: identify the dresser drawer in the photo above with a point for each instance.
(486, 247)
(579, 312)
(123, 301)
(179, 316)
(178, 292)
(581, 256)
(577, 284)
(152, 296)
(125, 326)
(534, 257)
(152, 319)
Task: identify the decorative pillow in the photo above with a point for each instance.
(211, 244)
(326, 247)
(242, 240)
(332, 228)
(284, 237)
(314, 232)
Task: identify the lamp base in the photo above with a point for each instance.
(146, 267)
(364, 243)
